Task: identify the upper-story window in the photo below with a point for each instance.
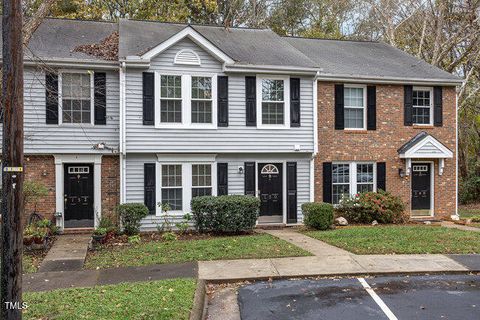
(187, 100)
(202, 100)
(273, 98)
(170, 99)
(76, 97)
(422, 106)
(355, 107)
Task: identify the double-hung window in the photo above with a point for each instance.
(170, 99)
(202, 100)
(273, 96)
(172, 186)
(76, 97)
(422, 106)
(355, 107)
(350, 178)
(201, 180)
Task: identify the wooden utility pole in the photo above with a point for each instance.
(12, 161)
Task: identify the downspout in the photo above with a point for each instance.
(122, 133)
(456, 216)
(315, 136)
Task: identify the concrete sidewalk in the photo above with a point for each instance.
(449, 224)
(68, 253)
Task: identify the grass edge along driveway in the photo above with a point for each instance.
(397, 239)
(164, 299)
(256, 246)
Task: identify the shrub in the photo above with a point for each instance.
(469, 189)
(318, 215)
(131, 214)
(225, 214)
(366, 207)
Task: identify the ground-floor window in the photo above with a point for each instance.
(181, 182)
(350, 178)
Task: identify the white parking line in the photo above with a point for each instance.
(378, 300)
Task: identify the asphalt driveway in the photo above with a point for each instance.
(397, 297)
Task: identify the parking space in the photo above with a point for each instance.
(398, 297)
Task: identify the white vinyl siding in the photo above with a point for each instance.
(236, 138)
(42, 138)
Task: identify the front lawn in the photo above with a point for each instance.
(215, 248)
(401, 239)
(165, 299)
(468, 211)
(32, 260)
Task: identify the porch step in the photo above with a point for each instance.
(270, 226)
(77, 231)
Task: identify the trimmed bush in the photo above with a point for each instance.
(318, 215)
(130, 215)
(366, 207)
(225, 214)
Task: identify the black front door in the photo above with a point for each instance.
(270, 188)
(78, 197)
(421, 188)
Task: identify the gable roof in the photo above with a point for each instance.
(59, 39)
(245, 46)
(354, 59)
(424, 145)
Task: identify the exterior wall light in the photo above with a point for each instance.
(401, 173)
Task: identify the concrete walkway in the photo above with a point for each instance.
(449, 224)
(314, 246)
(45, 281)
(68, 253)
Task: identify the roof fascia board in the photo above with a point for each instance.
(411, 153)
(193, 35)
(72, 63)
(389, 80)
(270, 69)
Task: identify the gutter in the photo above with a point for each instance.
(389, 80)
(270, 69)
(72, 63)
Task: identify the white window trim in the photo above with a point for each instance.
(430, 89)
(186, 102)
(364, 107)
(286, 104)
(60, 100)
(186, 184)
(353, 175)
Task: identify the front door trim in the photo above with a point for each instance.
(284, 184)
(60, 160)
(432, 188)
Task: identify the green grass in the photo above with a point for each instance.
(468, 212)
(159, 252)
(401, 239)
(30, 263)
(165, 299)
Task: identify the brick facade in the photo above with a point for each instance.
(41, 168)
(381, 145)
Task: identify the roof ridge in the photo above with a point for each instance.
(81, 20)
(195, 24)
(332, 39)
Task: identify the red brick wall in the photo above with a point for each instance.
(110, 184)
(382, 144)
(41, 168)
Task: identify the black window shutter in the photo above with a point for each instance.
(339, 110)
(291, 192)
(100, 97)
(51, 98)
(381, 176)
(437, 106)
(251, 100)
(371, 108)
(249, 173)
(408, 105)
(149, 187)
(222, 179)
(148, 98)
(327, 182)
(294, 102)
(222, 100)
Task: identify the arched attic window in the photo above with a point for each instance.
(187, 56)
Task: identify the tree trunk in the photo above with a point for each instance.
(12, 156)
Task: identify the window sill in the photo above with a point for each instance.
(187, 127)
(423, 126)
(352, 131)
